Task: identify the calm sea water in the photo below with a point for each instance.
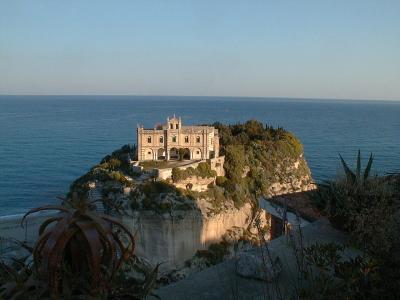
(47, 142)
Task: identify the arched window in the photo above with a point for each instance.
(177, 126)
(197, 139)
(171, 126)
(161, 139)
(149, 139)
(174, 139)
(186, 139)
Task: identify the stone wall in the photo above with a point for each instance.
(217, 164)
(166, 173)
(199, 184)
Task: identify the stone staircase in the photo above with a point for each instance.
(95, 194)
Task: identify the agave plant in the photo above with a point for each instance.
(82, 242)
(339, 198)
(355, 177)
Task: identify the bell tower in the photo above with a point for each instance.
(174, 123)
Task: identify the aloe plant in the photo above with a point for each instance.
(82, 241)
(355, 177)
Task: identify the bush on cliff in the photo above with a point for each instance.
(120, 159)
(215, 253)
(220, 180)
(124, 154)
(235, 161)
(113, 167)
(160, 196)
(257, 156)
(203, 170)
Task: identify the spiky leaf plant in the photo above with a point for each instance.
(355, 177)
(80, 242)
(338, 198)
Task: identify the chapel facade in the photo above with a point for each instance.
(165, 141)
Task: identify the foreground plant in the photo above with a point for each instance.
(339, 198)
(17, 279)
(79, 253)
(368, 208)
(355, 177)
(81, 240)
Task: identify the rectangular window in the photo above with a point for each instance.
(174, 139)
(171, 126)
(161, 139)
(177, 126)
(186, 139)
(198, 139)
(149, 139)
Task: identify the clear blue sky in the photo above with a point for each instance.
(328, 49)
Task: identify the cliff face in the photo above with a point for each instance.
(173, 239)
(291, 177)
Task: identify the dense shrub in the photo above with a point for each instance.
(203, 170)
(151, 164)
(235, 161)
(220, 180)
(117, 176)
(215, 253)
(124, 154)
(157, 187)
(329, 273)
(267, 152)
(369, 209)
(150, 195)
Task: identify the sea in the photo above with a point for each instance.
(46, 142)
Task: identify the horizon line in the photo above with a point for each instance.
(204, 96)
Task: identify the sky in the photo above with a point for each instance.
(308, 49)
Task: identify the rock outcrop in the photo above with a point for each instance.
(292, 176)
(257, 266)
(173, 239)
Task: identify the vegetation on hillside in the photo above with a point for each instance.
(368, 208)
(203, 170)
(161, 197)
(112, 168)
(257, 156)
(151, 164)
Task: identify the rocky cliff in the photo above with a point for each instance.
(196, 208)
(291, 177)
(174, 239)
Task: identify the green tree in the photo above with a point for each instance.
(234, 162)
